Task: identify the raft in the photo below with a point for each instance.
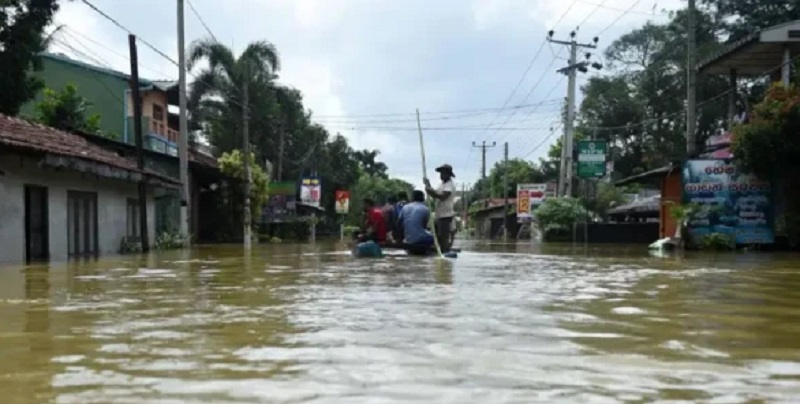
(373, 250)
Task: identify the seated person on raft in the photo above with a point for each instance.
(374, 223)
(414, 218)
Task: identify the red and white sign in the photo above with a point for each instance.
(529, 195)
(342, 202)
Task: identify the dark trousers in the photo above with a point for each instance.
(442, 226)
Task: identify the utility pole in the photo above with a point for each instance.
(505, 192)
(246, 158)
(691, 85)
(280, 152)
(137, 128)
(483, 148)
(183, 141)
(569, 131)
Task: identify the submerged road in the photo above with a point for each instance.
(499, 324)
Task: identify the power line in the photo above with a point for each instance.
(538, 146)
(115, 22)
(196, 14)
(109, 49)
(535, 86)
(604, 6)
(451, 114)
(620, 17)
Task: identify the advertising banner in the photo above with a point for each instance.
(591, 159)
(529, 195)
(310, 191)
(733, 203)
(342, 202)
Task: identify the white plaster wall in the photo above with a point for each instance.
(112, 196)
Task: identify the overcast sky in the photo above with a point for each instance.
(365, 65)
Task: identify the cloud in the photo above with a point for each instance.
(357, 60)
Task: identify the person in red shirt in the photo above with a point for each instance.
(375, 223)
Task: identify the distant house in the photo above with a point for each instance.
(62, 196)
(109, 93)
(489, 216)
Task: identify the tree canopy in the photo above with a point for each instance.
(22, 24)
(282, 130)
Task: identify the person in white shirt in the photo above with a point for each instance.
(445, 197)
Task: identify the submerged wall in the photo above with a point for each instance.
(112, 199)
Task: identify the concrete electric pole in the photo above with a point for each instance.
(246, 159)
(483, 148)
(505, 192)
(691, 83)
(183, 140)
(569, 126)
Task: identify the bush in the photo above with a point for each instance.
(556, 216)
(717, 242)
(171, 241)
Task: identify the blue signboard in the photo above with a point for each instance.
(733, 203)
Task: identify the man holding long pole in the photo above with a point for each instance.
(445, 196)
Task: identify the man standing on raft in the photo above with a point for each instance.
(445, 197)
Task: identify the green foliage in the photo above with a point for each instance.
(171, 241)
(647, 84)
(608, 197)
(67, 110)
(557, 215)
(376, 187)
(22, 25)
(232, 164)
(519, 172)
(717, 242)
(350, 230)
(278, 119)
(768, 145)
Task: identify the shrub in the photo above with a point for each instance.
(171, 241)
(556, 216)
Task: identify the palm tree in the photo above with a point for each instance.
(216, 99)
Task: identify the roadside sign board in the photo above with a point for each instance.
(342, 202)
(529, 195)
(592, 158)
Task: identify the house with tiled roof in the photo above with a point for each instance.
(62, 196)
(108, 92)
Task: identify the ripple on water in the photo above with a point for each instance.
(487, 327)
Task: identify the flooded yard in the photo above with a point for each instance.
(499, 324)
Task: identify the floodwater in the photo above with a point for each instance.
(499, 324)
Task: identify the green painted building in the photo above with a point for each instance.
(109, 93)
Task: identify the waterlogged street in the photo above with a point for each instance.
(499, 324)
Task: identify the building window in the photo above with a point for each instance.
(158, 113)
(133, 218)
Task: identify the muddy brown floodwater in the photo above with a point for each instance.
(499, 324)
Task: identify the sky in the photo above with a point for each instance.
(365, 66)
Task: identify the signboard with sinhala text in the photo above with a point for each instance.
(591, 158)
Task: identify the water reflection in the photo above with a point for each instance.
(501, 323)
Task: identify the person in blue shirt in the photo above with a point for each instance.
(414, 218)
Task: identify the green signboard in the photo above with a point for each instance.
(591, 158)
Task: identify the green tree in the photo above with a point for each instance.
(216, 98)
(231, 164)
(555, 216)
(375, 187)
(22, 24)
(67, 110)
